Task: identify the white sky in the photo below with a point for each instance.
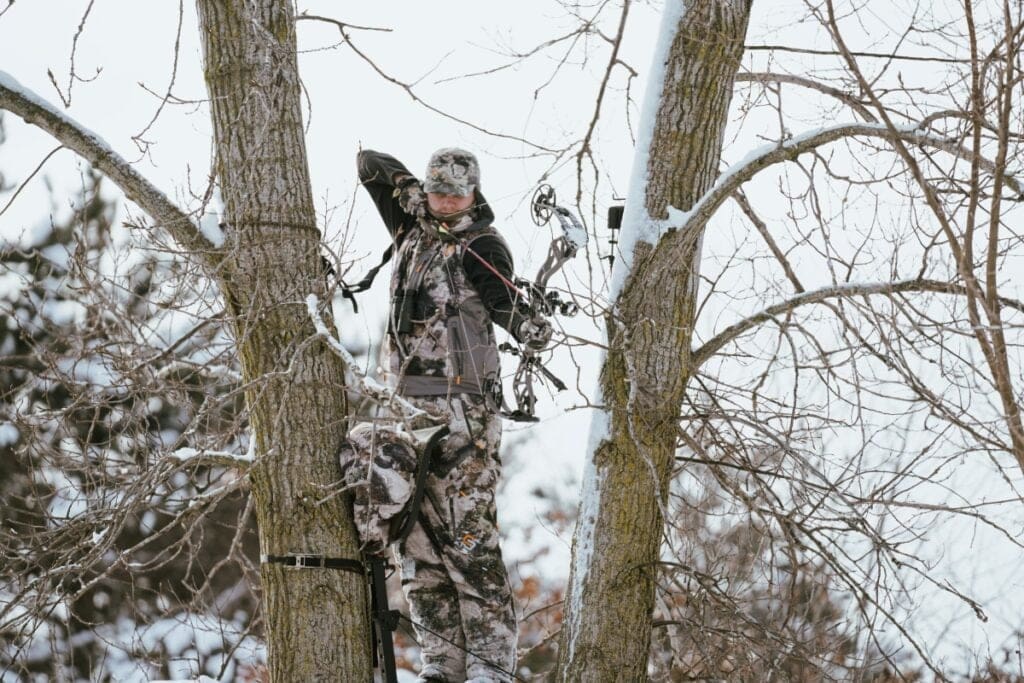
(351, 106)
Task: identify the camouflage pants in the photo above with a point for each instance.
(452, 571)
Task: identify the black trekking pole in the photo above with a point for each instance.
(385, 620)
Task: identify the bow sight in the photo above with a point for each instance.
(573, 238)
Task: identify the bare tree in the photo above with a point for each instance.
(649, 332)
(892, 339)
(265, 260)
(113, 351)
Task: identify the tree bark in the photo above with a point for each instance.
(607, 629)
(315, 619)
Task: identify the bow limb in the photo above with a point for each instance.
(539, 301)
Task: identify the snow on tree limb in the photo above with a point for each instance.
(354, 377)
(193, 456)
(692, 222)
(36, 111)
(805, 82)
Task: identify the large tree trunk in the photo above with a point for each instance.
(315, 619)
(607, 628)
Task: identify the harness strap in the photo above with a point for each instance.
(412, 512)
(367, 282)
(427, 385)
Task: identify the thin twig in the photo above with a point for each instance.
(30, 177)
(870, 55)
(72, 76)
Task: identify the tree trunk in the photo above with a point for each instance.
(315, 619)
(607, 628)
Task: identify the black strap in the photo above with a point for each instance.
(412, 510)
(304, 561)
(385, 620)
(367, 282)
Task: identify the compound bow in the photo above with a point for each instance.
(542, 302)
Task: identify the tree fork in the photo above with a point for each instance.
(607, 629)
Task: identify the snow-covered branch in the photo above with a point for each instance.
(354, 377)
(193, 456)
(818, 296)
(768, 155)
(35, 110)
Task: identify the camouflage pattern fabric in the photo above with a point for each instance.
(441, 354)
(452, 171)
(452, 571)
(410, 197)
(430, 282)
(378, 466)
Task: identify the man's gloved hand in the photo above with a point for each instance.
(411, 197)
(535, 332)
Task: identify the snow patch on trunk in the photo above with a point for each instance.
(590, 502)
(637, 224)
(209, 225)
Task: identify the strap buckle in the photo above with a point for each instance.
(309, 561)
(300, 560)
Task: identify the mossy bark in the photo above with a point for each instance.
(607, 628)
(315, 620)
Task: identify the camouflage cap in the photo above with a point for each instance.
(452, 171)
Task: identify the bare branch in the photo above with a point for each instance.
(520, 56)
(841, 95)
(760, 159)
(870, 55)
(72, 76)
(408, 87)
(762, 228)
(821, 295)
(91, 147)
(613, 59)
(31, 175)
(342, 25)
(142, 144)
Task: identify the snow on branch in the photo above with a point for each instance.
(818, 296)
(354, 377)
(192, 456)
(693, 221)
(36, 111)
(805, 82)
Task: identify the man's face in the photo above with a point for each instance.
(442, 205)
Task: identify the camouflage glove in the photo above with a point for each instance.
(411, 196)
(535, 332)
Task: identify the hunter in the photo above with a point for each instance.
(450, 283)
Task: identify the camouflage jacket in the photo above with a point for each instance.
(440, 337)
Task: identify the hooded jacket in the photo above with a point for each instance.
(443, 300)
